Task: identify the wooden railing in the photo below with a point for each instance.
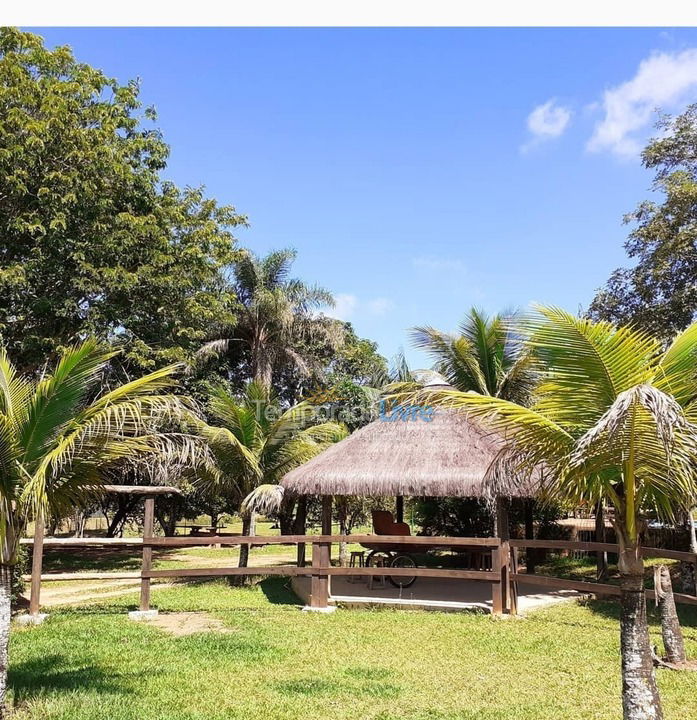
(504, 575)
(321, 568)
(597, 588)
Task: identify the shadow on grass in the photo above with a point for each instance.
(611, 609)
(277, 591)
(52, 674)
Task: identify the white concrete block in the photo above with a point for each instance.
(325, 610)
(31, 619)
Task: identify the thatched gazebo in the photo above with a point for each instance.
(447, 455)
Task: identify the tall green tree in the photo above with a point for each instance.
(59, 432)
(277, 326)
(659, 292)
(612, 421)
(93, 242)
(484, 357)
(256, 443)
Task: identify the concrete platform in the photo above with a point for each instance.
(430, 594)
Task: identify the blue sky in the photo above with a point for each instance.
(417, 172)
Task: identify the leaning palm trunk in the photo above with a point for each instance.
(670, 624)
(247, 521)
(688, 570)
(5, 616)
(640, 698)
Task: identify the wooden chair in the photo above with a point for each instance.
(384, 524)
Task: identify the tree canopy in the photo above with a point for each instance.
(659, 293)
(95, 242)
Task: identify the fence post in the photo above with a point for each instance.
(499, 596)
(319, 590)
(37, 565)
(501, 559)
(148, 530)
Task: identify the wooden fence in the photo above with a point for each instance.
(503, 577)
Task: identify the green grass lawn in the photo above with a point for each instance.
(275, 663)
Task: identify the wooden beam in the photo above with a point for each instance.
(292, 570)
(406, 541)
(327, 514)
(399, 508)
(286, 570)
(565, 545)
(148, 528)
(143, 490)
(86, 542)
(565, 584)
(84, 576)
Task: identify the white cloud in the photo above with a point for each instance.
(379, 306)
(438, 264)
(549, 120)
(546, 122)
(662, 81)
(347, 306)
(344, 306)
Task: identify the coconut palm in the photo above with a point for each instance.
(256, 443)
(276, 318)
(58, 434)
(612, 421)
(485, 357)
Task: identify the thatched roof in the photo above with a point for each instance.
(447, 457)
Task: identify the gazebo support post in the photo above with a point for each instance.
(300, 527)
(321, 558)
(501, 560)
(530, 534)
(399, 508)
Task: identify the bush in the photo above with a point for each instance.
(19, 569)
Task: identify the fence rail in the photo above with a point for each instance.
(503, 577)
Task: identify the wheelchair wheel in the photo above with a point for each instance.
(402, 581)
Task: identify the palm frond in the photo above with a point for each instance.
(14, 390)
(646, 436)
(58, 397)
(676, 372)
(584, 365)
(265, 499)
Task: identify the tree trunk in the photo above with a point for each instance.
(600, 536)
(80, 519)
(5, 616)
(640, 699)
(168, 522)
(263, 370)
(285, 516)
(670, 625)
(248, 528)
(688, 570)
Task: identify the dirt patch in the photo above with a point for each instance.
(188, 623)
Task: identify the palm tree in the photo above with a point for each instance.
(612, 422)
(59, 432)
(256, 443)
(276, 317)
(485, 357)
